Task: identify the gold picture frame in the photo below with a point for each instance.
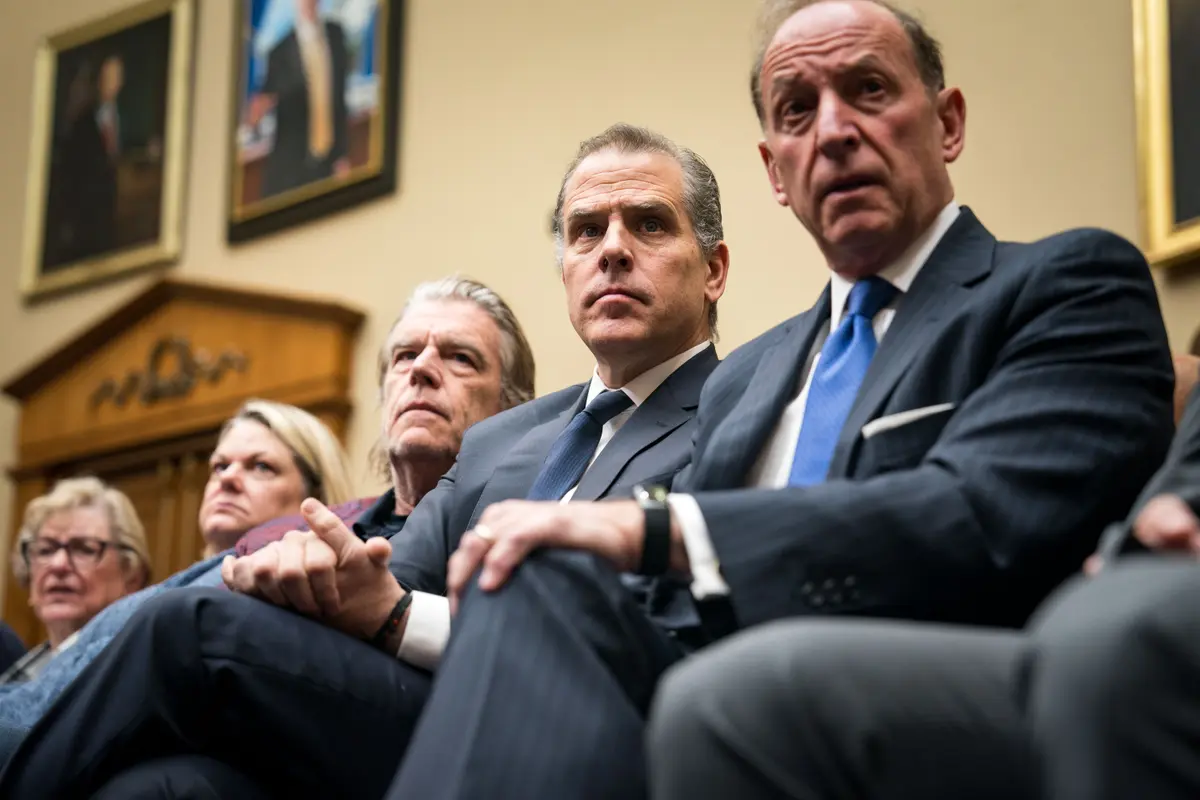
(111, 101)
(1170, 222)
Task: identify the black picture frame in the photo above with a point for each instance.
(256, 213)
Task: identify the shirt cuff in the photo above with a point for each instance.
(706, 570)
(426, 631)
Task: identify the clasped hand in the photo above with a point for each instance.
(1166, 524)
(326, 573)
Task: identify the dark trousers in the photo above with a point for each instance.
(191, 777)
(294, 707)
(542, 691)
(1099, 699)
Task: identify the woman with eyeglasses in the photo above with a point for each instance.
(81, 548)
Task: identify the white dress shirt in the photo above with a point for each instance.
(428, 626)
(774, 464)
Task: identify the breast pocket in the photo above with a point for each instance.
(623, 487)
(903, 446)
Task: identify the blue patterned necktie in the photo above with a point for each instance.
(572, 450)
(840, 371)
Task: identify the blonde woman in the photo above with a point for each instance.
(269, 457)
(81, 548)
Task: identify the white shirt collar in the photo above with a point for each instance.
(307, 29)
(903, 270)
(644, 385)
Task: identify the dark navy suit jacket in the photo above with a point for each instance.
(1055, 360)
(501, 456)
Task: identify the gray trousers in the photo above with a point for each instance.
(1098, 699)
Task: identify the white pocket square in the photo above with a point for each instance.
(893, 421)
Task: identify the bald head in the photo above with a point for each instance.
(855, 142)
(926, 52)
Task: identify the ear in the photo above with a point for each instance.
(718, 273)
(768, 158)
(952, 112)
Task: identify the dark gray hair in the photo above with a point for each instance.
(701, 195)
(516, 357)
(927, 52)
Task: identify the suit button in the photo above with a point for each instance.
(828, 584)
(806, 588)
(817, 601)
(850, 582)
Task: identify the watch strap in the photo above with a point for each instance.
(393, 622)
(656, 543)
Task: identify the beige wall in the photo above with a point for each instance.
(497, 94)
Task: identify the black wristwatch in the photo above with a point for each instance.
(656, 547)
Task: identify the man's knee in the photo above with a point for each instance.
(178, 606)
(1109, 636)
(181, 616)
(750, 675)
(548, 574)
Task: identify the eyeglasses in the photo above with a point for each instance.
(82, 551)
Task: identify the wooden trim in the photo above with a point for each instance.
(312, 396)
(24, 385)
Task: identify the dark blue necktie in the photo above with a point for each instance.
(572, 450)
(840, 371)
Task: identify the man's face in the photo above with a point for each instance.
(854, 143)
(112, 78)
(308, 9)
(442, 376)
(635, 278)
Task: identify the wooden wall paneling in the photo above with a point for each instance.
(138, 398)
(193, 474)
(17, 612)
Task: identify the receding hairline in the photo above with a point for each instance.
(924, 52)
(615, 149)
(439, 301)
(884, 12)
(455, 338)
(676, 183)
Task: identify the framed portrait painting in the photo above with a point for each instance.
(107, 156)
(1167, 80)
(316, 110)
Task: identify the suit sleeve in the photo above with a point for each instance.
(420, 551)
(340, 68)
(271, 83)
(1180, 474)
(1072, 419)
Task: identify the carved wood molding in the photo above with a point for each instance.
(172, 370)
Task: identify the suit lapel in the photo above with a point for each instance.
(740, 436)
(668, 407)
(962, 257)
(518, 469)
